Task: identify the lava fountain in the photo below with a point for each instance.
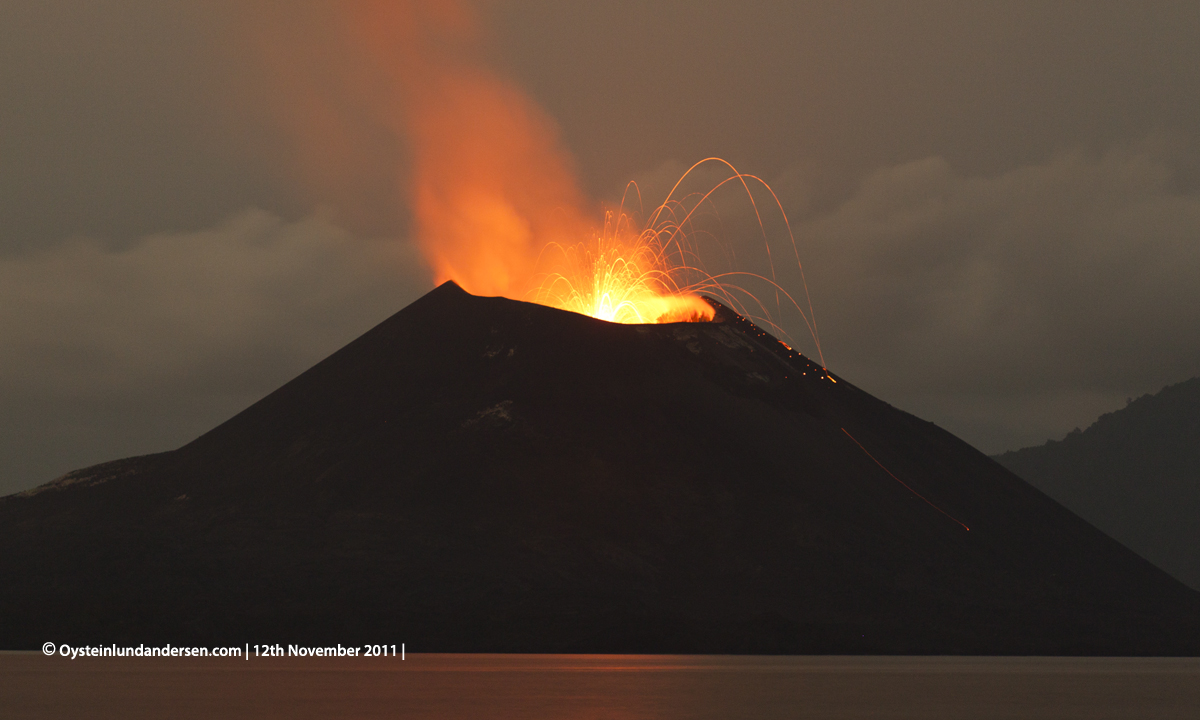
(653, 273)
(495, 201)
(623, 276)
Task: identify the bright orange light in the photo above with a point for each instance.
(622, 277)
(652, 274)
(496, 204)
(631, 273)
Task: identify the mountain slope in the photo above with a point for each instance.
(480, 474)
(1135, 474)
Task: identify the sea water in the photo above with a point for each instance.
(613, 687)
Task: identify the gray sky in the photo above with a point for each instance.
(997, 204)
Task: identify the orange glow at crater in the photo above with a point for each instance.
(622, 276)
(495, 201)
(496, 205)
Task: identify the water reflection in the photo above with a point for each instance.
(614, 687)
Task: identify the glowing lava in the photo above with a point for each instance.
(622, 277)
(496, 205)
(654, 274)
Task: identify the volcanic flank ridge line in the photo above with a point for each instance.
(485, 475)
(797, 362)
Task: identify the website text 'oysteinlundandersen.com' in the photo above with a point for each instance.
(141, 651)
(352, 651)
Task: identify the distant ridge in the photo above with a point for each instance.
(480, 474)
(1135, 474)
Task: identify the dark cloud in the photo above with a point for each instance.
(121, 118)
(996, 203)
(112, 352)
(842, 88)
(1015, 306)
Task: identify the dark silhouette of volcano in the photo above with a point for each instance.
(480, 474)
(1135, 474)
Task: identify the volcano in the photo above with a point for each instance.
(486, 475)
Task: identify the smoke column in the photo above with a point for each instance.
(490, 185)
